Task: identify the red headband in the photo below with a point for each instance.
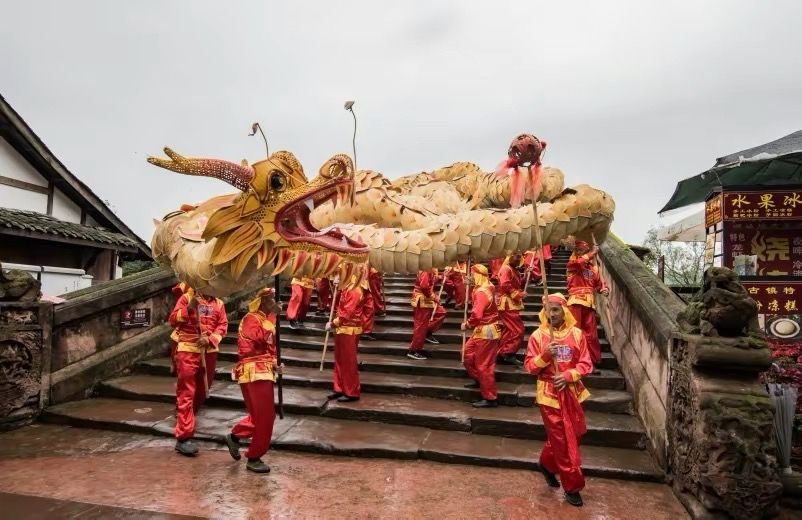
(581, 244)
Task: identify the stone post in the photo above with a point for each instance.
(722, 453)
(25, 329)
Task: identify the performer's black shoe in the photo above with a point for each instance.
(347, 399)
(508, 359)
(551, 478)
(369, 337)
(334, 395)
(485, 403)
(233, 446)
(431, 339)
(293, 324)
(186, 448)
(416, 356)
(382, 313)
(575, 499)
(321, 312)
(473, 384)
(257, 466)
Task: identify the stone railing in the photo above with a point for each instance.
(639, 318)
(24, 361)
(54, 353)
(88, 343)
(708, 419)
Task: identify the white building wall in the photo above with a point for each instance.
(65, 209)
(13, 165)
(16, 198)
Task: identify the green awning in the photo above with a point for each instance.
(772, 171)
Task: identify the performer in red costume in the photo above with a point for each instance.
(301, 294)
(455, 285)
(377, 290)
(201, 322)
(424, 300)
(368, 310)
(531, 263)
(347, 326)
(559, 393)
(494, 267)
(583, 281)
(510, 302)
(256, 372)
(178, 291)
(482, 347)
(323, 295)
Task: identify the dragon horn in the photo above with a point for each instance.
(234, 174)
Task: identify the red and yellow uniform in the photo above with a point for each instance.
(455, 284)
(563, 418)
(424, 301)
(368, 307)
(375, 281)
(301, 294)
(494, 266)
(323, 294)
(178, 290)
(583, 279)
(347, 328)
(481, 348)
(195, 364)
(510, 304)
(255, 373)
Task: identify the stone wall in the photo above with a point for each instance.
(88, 343)
(723, 452)
(89, 323)
(639, 317)
(24, 361)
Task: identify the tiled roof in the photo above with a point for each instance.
(32, 221)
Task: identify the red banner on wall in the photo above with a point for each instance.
(773, 204)
(778, 251)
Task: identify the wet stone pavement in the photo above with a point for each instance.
(49, 471)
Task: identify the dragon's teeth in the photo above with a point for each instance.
(310, 203)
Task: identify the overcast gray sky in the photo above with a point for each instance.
(631, 96)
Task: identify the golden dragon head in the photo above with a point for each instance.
(268, 222)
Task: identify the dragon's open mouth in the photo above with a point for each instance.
(294, 226)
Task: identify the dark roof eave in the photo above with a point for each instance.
(35, 235)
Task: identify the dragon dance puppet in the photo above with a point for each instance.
(280, 222)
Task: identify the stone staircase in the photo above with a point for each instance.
(409, 409)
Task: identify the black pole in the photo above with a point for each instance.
(277, 288)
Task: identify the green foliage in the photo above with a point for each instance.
(137, 266)
(684, 262)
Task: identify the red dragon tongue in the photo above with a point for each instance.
(282, 261)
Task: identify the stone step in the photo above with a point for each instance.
(442, 363)
(352, 438)
(397, 320)
(441, 387)
(620, 431)
(384, 332)
(403, 290)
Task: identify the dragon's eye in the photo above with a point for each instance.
(278, 181)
